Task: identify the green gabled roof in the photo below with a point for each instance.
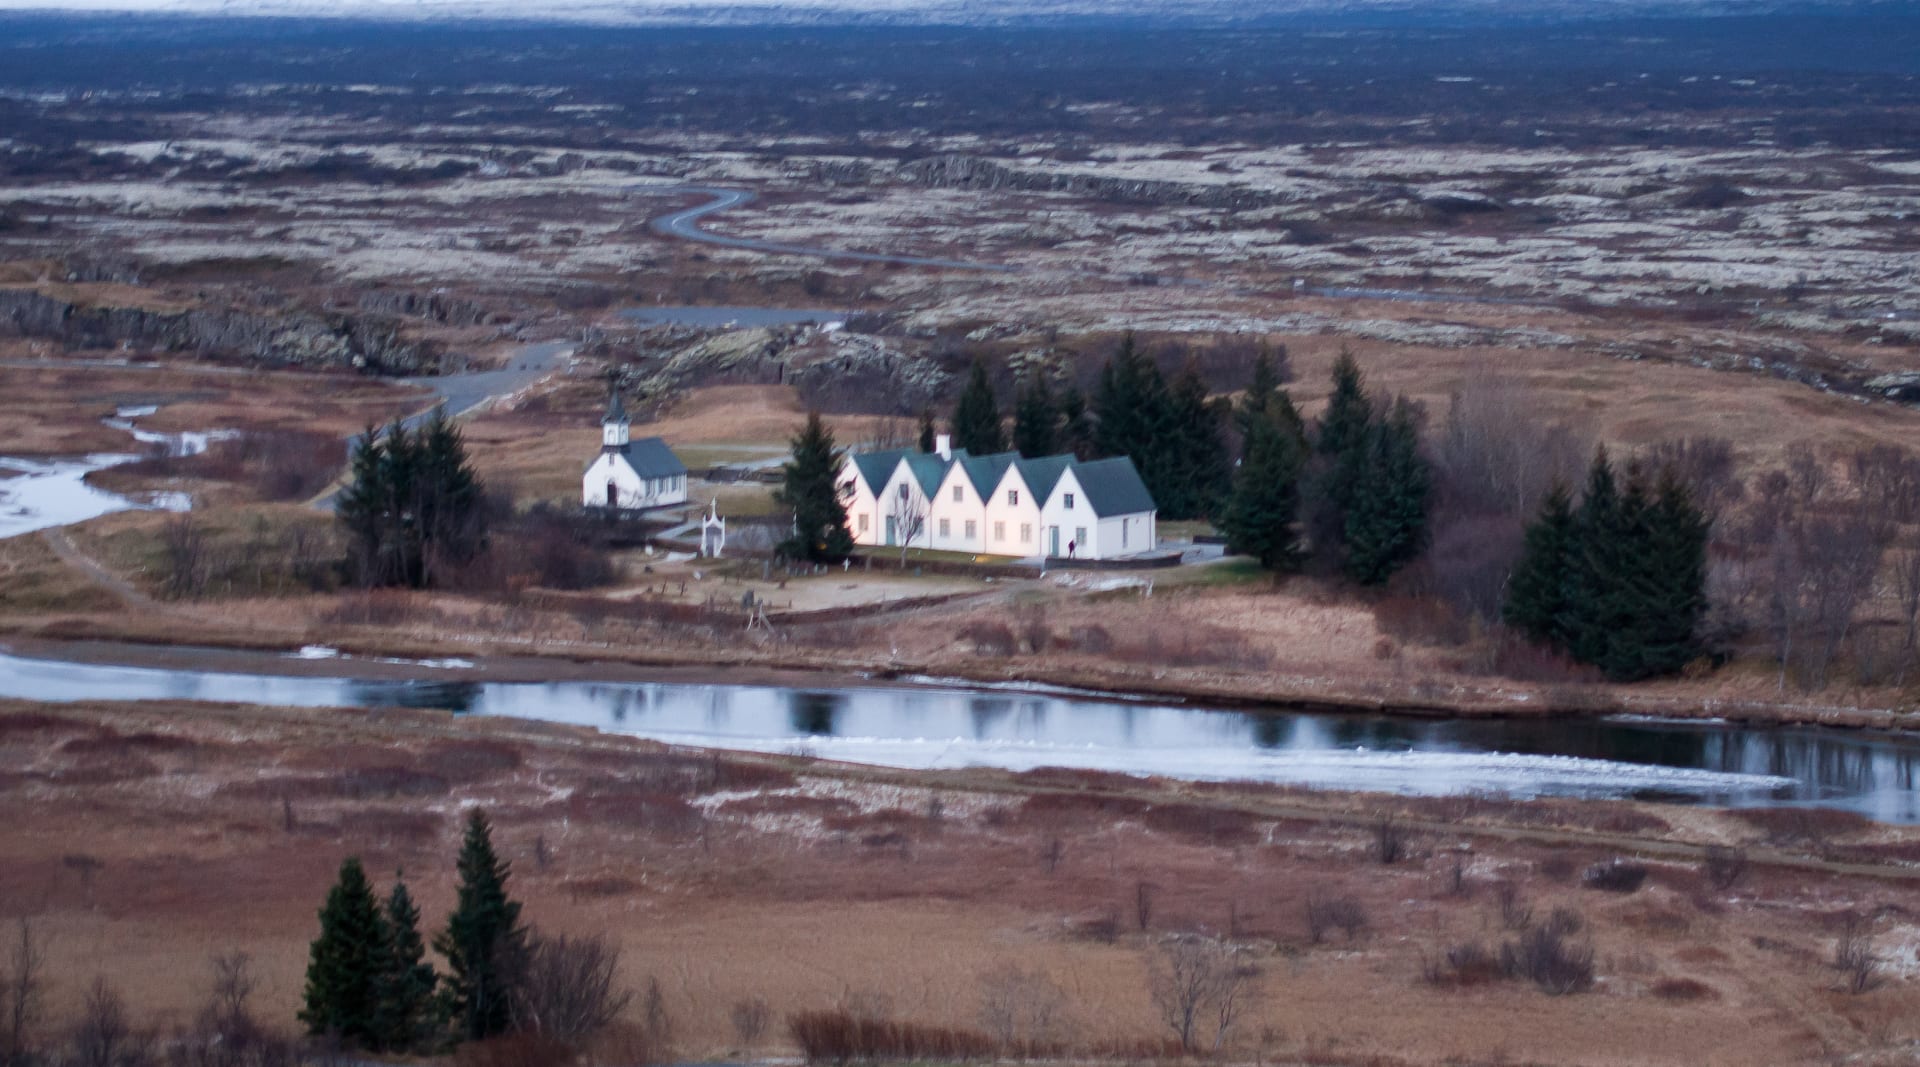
(1113, 487)
(985, 472)
(876, 467)
(928, 470)
(1042, 474)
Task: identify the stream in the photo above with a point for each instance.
(36, 494)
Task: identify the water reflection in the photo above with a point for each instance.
(812, 713)
(934, 727)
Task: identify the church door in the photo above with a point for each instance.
(613, 495)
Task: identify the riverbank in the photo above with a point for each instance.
(504, 657)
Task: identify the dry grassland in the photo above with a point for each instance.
(162, 833)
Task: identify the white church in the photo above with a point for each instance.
(1003, 505)
(629, 474)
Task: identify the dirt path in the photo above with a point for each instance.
(70, 554)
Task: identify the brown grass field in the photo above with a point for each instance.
(145, 838)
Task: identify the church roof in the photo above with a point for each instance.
(651, 458)
(616, 411)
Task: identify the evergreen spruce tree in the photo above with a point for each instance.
(1035, 419)
(812, 490)
(1262, 513)
(1343, 426)
(448, 500)
(406, 1016)
(1386, 517)
(1673, 583)
(1076, 425)
(1134, 418)
(1192, 465)
(976, 416)
(1340, 460)
(927, 435)
(1536, 600)
(1597, 534)
(362, 508)
(482, 938)
(413, 502)
(1262, 388)
(343, 963)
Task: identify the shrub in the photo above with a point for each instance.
(1465, 964)
(990, 638)
(1615, 876)
(1724, 867)
(842, 1036)
(1091, 639)
(1326, 912)
(1545, 957)
(1683, 989)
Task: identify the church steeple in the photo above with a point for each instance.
(615, 427)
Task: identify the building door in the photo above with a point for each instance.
(613, 495)
(889, 530)
(1053, 543)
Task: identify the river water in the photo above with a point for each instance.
(39, 493)
(947, 726)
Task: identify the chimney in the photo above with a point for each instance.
(943, 445)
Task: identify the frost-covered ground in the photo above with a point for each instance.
(1818, 232)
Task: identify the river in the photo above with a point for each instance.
(939, 725)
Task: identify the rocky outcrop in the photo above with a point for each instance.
(292, 339)
(433, 307)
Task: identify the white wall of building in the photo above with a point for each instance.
(899, 499)
(629, 490)
(951, 516)
(1012, 518)
(1061, 524)
(860, 503)
(1126, 535)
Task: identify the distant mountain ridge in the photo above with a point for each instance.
(937, 12)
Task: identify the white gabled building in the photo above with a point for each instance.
(1000, 505)
(629, 474)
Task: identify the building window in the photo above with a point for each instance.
(1080, 535)
(1123, 533)
(972, 527)
(999, 531)
(959, 494)
(903, 492)
(863, 522)
(946, 527)
(1069, 502)
(1013, 498)
(1026, 533)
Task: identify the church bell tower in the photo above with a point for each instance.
(615, 427)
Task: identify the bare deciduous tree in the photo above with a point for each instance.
(23, 985)
(103, 1037)
(1022, 1010)
(1198, 982)
(1498, 454)
(909, 513)
(750, 1016)
(566, 989)
(1853, 954)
